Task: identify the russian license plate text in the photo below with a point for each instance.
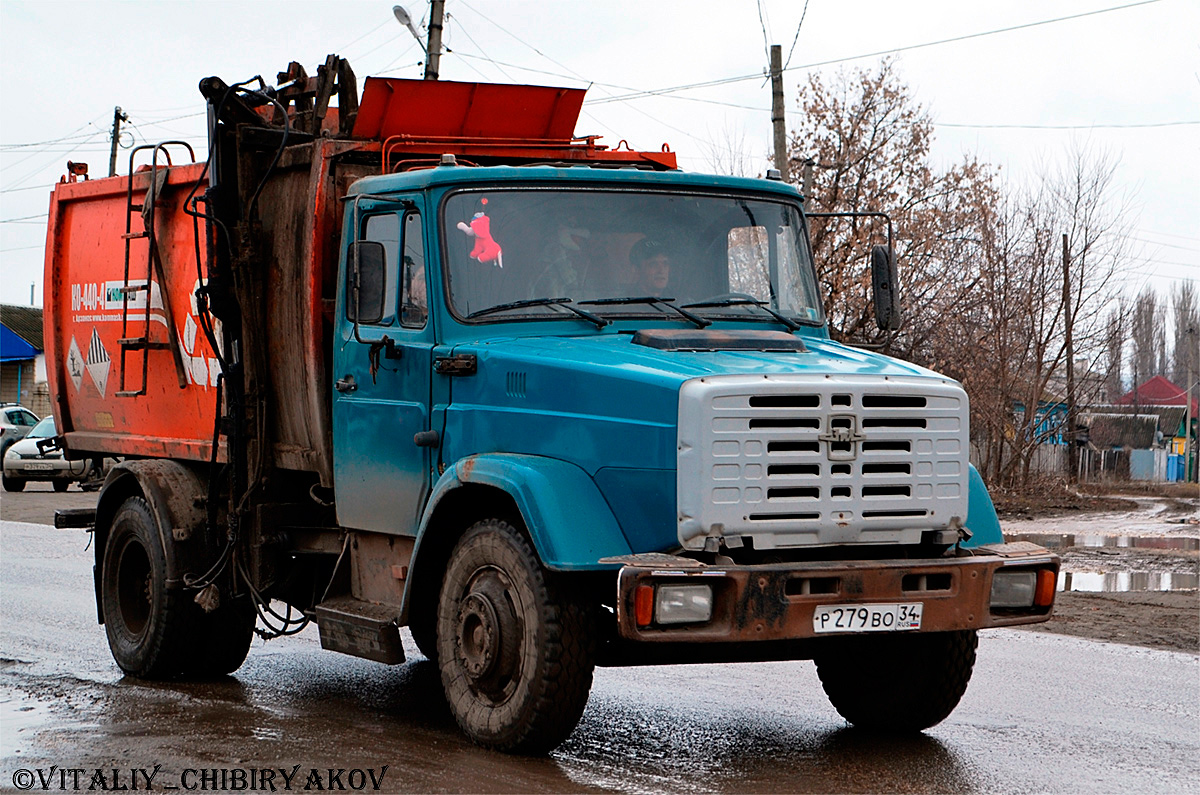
(867, 618)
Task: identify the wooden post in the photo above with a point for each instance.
(118, 117)
(777, 123)
(434, 54)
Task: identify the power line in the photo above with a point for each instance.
(953, 39)
(796, 38)
(487, 57)
(24, 218)
(1066, 126)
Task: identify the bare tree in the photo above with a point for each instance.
(870, 142)
(1185, 311)
(1145, 337)
(1114, 351)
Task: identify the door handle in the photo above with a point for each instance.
(347, 384)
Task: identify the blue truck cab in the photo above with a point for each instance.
(625, 378)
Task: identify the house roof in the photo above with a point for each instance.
(21, 334)
(1157, 391)
(25, 322)
(1134, 431)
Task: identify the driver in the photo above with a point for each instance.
(653, 264)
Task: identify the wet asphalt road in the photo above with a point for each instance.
(1044, 713)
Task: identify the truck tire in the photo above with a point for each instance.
(149, 627)
(13, 484)
(515, 649)
(424, 634)
(898, 683)
(223, 638)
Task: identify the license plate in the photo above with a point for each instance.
(867, 618)
(39, 467)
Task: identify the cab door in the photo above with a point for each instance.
(382, 358)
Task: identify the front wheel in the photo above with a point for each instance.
(61, 485)
(13, 484)
(515, 647)
(898, 683)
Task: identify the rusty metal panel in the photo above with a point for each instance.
(422, 108)
(84, 275)
(770, 602)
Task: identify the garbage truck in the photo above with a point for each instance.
(424, 358)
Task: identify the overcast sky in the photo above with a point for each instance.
(1125, 82)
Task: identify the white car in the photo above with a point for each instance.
(23, 462)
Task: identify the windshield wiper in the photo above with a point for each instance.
(652, 300)
(565, 303)
(784, 319)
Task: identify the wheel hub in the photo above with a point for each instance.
(487, 636)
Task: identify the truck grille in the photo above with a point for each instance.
(798, 460)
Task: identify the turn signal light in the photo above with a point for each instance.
(1046, 583)
(643, 605)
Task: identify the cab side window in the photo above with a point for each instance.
(385, 230)
(415, 298)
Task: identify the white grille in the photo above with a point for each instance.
(802, 460)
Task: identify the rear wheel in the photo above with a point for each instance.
(147, 624)
(899, 683)
(223, 638)
(515, 648)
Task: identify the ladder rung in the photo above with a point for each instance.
(133, 288)
(131, 394)
(133, 235)
(137, 208)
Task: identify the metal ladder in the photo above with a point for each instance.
(154, 270)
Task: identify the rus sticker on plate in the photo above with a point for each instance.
(867, 618)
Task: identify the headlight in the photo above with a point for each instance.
(1024, 589)
(1013, 588)
(683, 604)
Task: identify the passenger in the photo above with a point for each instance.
(653, 262)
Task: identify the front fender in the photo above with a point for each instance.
(981, 513)
(568, 520)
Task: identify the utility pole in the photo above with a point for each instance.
(1069, 436)
(118, 117)
(434, 50)
(1189, 469)
(781, 155)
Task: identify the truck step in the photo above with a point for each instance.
(69, 518)
(360, 629)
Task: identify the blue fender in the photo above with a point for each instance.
(568, 519)
(981, 513)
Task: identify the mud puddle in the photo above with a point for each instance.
(1122, 563)
(1063, 540)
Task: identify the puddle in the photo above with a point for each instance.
(19, 715)
(1130, 570)
(1114, 581)
(1063, 540)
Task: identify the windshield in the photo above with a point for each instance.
(43, 430)
(515, 246)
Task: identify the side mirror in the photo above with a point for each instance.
(884, 289)
(366, 282)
